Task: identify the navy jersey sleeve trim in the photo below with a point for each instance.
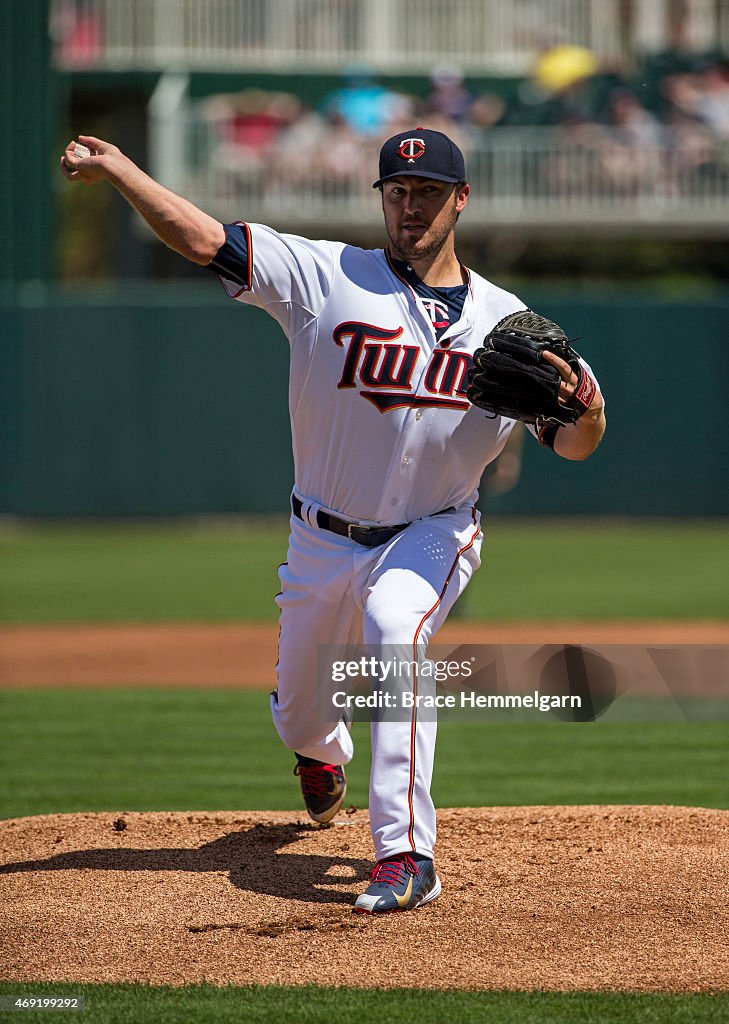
(234, 258)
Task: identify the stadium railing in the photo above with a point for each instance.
(498, 36)
(565, 177)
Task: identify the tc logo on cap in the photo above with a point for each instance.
(411, 149)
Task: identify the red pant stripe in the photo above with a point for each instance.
(413, 720)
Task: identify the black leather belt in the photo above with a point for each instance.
(369, 536)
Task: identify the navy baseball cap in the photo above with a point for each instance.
(423, 153)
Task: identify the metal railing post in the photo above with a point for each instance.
(380, 37)
(168, 130)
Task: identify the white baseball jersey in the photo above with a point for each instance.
(381, 426)
(382, 434)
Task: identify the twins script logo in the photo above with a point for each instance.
(385, 367)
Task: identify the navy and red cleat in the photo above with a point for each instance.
(323, 787)
(403, 882)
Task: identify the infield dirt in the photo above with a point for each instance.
(554, 898)
(244, 655)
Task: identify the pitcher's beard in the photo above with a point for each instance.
(428, 245)
(417, 250)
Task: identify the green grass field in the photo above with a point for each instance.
(117, 750)
(204, 1004)
(532, 570)
(75, 750)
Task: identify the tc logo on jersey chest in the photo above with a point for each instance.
(385, 367)
(438, 312)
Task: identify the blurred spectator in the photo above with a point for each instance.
(248, 125)
(712, 104)
(363, 104)
(487, 110)
(573, 166)
(691, 155)
(630, 123)
(77, 31)
(449, 96)
(629, 149)
(297, 148)
(680, 95)
(339, 163)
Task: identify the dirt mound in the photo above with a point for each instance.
(622, 898)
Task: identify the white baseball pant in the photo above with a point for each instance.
(335, 591)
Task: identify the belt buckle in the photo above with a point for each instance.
(365, 534)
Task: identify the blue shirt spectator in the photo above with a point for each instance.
(363, 104)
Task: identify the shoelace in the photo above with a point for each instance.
(316, 780)
(389, 872)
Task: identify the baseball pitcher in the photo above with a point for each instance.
(408, 373)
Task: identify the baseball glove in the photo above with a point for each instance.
(510, 378)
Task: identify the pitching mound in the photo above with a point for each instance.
(533, 897)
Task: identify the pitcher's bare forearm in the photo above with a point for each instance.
(579, 440)
(177, 222)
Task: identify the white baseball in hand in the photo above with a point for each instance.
(81, 152)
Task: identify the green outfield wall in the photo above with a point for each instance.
(172, 401)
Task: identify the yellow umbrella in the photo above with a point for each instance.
(562, 66)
